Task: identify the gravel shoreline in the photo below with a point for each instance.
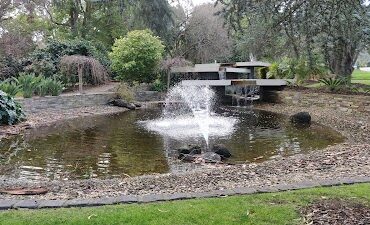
(53, 117)
(346, 160)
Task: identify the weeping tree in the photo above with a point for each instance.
(85, 67)
(338, 29)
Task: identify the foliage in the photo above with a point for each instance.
(49, 86)
(46, 60)
(10, 67)
(158, 85)
(300, 70)
(10, 86)
(206, 38)
(86, 67)
(137, 56)
(55, 87)
(125, 92)
(334, 30)
(332, 83)
(29, 84)
(10, 111)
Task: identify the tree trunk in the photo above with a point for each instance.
(342, 58)
(80, 81)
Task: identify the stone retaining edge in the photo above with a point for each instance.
(8, 204)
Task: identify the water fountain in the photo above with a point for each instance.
(189, 112)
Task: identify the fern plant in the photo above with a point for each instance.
(332, 83)
(55, 87)
(29, 83)
(10, 87)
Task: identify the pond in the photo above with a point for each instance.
(120, 146)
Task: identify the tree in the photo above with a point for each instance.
(87, 67)
(206, 37)
(336, 29)
(137, 56)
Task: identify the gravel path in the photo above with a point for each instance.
(347, 160)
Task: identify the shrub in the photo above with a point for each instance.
(10, 86)
(29, 84)
(137, 56)
(10, 111)
(289, 68)
(158, 85)
(125, 92)
(55, 87)
(332, 83)
(45, 61)
(91, 69)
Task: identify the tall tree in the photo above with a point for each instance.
(206, 37)
(340, 28)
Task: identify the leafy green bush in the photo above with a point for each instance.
(158, 85)
(137, 56)
(332, 83)
(55, 87)
(289, 68)
(10, 111)
(39, 85)
(29, 84)
(10, 86)
(125, 92)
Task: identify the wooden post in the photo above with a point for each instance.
(80, 82)
(168, 79)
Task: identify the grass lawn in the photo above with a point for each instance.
(360, 75)
(275, 208)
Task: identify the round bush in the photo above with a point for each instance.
(136, 57)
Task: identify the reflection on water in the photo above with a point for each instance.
(120, 146)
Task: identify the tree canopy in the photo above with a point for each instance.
(336, 30)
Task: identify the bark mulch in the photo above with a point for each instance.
(336, 212)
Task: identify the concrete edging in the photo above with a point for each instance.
(8, 204)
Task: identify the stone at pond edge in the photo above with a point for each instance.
(186, 158)
(221, 150)
(190, 149)
(195, 150)
(301, 118)
(211, 157)
(123, 104)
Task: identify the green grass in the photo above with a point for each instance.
(360, 75)
(276, 208)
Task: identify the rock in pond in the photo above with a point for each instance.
(211, 157)
(190, 149)
(186, 158)
(123, 104)
(303, 118)
(221, 150)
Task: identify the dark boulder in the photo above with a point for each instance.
(303, 118)
(186, 158)
(195, 150)
(122, 103)
(138, 105)
(221, 150)
(211, 157)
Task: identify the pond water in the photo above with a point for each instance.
(119, 145)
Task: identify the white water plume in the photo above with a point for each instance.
(189, 113)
